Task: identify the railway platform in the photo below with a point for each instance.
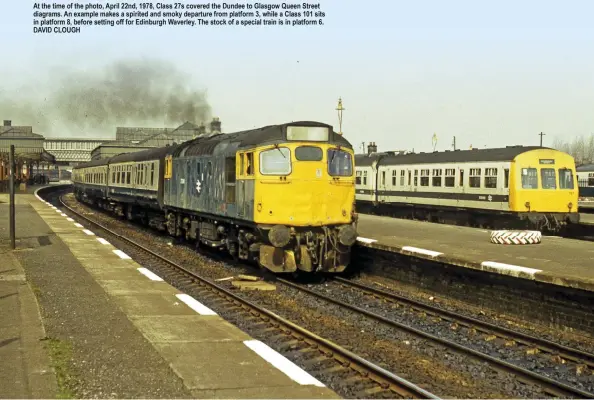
(556, 260)
(107, 327)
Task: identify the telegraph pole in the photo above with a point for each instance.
(340, 109)
(11, 221)
(541, 135)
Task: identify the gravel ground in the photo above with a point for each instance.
(545, 364)
(566, 338)
(436, 369)
(96, 350)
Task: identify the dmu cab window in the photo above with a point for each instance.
(547, 178)
(529, 178)
(339, 163)
(275, 161)
(308, 153)
(565, 179)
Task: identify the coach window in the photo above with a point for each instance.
(241, 164)
(529, 178)
(394, 174)
(436, 181)
(506, 177)
(424, 177)
(416, 180)
(402, 174)
(565, 178)
(364, 178)
(474, 180)
(450, 177)
(491, 178)
(383, 178)
(548, 178)
(357, 177)
(275, 161)
(409, 178)
(461, 183)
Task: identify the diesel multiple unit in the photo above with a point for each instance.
(513, 186)
(282, 195)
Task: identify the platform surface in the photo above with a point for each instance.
(565, 262)
(160, 328)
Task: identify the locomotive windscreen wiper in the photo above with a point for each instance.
(278, 148)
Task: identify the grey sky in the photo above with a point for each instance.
(490, 73)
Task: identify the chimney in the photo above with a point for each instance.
(7, 122)
(215, 125)
(371, 148)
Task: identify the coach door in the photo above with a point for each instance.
(382, 185)
(185, 185)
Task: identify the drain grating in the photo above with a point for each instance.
(44, 240)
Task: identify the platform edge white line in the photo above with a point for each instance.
(122, 255)
(282, 363)
(195, 304)
(149, 274)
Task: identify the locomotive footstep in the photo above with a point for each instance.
(516, 237)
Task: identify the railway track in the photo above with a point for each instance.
(561, 354)
(367, 378)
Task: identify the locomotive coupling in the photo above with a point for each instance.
(347, 235)
(279, 235)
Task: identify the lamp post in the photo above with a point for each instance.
(340, 109)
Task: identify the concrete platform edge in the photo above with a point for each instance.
(430, 255)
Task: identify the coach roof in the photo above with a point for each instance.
(441, 157)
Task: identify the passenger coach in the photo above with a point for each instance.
(512, 187)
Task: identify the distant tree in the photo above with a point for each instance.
(580, 148)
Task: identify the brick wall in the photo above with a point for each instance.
(546, 304)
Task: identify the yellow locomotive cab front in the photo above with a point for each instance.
(545, 187)
(300, 184)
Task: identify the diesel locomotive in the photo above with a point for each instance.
(281, 195)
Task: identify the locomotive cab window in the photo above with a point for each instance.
(529, 178)
(308, 153)
(339, 163)
(548, 178)
(275, 161)
(249, 161)
(565, 178)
